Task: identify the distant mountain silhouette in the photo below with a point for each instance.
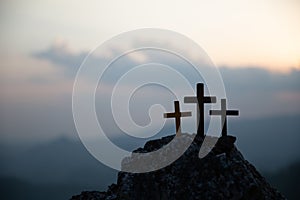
(17, 189)
(287, 180)
(52, 170)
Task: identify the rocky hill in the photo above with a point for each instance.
(222, 174)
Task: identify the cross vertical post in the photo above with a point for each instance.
(224, 113)
(200, 100)
(177, 115)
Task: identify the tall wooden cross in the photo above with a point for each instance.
(177, 115)
(200, 100)
(224, 113)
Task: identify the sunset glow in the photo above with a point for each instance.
(234, 33)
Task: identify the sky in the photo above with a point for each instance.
(234, 33)
(238, 36)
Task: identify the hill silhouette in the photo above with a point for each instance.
(222, 174)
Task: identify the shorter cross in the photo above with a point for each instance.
(224, 113)
(177, 115)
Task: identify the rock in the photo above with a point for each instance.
(224, 144)
(222, 174)
(90, 195)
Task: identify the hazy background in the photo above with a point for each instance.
(255, 44)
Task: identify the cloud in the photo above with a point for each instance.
(60, 53)
(247, 81)
(249, 77)
(256, 92)
(260, 92)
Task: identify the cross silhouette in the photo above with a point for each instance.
(224, 113)
(177, 115)
(200, 100)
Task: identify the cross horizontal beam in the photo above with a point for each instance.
(228, 112)
(181, 114)
(195, 100)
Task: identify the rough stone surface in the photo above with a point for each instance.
(221, 174)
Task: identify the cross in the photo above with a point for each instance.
(177, 115)
(224, 113)
(200, 100)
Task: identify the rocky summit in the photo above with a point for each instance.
(221, 174)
